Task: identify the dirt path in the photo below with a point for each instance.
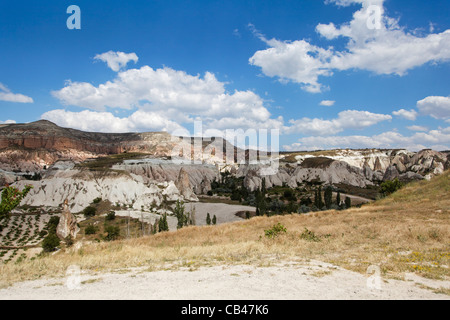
(287, 281)
(358, 199)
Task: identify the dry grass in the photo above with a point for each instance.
(406, 232)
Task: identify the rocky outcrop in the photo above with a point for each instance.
(429, 162)
(328, 172)
(81, 187)
(184, 186)
(200, 176)
(67, 223)
(33, 146)
(48, 149)
(391, 173)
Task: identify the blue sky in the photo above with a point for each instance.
(326, 74)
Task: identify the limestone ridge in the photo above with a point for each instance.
(359, 168)
(34, 145)
(52, 151)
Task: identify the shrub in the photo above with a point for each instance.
(113, 233)
(275, 231)
(289, 195)
(389, 187)
(50, 243)
(208, 219)
(89, 211)
(69, 241)
(309, 236)
(110, 216)
(214, 220)
(90, 229)
(304, 209)
(97, 200)
(42, 233)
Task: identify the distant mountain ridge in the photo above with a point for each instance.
(36, 145)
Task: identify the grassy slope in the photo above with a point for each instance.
(406, 232)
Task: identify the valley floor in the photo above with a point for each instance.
(280, 281)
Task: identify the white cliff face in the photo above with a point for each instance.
(155, 171)
(359, 168)
(82, 187)
(374, 159)
(141, 184)
(335, 173)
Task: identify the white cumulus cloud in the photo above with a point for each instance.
(174, 96)
(327, 103)
(406, 114)
(117, 60)
(435, 139)
(348, 119)
(95, 121)
(417, 128)
(435, 106)
(7, 95)
(382, 47)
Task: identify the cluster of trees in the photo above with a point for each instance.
(230, 185)
(183, 218)
(327, 202)
(288, 202)
(210, 221)
(160, 225)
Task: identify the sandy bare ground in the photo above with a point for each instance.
(286, 281)
(224, 212)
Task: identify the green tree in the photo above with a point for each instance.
(328, 196)
(263, 187)
(208, 219)
(214, 220)
(89, 211)
(50, 242)
(179, 213)
(338, 199)
(389, 187)
(11, 198)
(52, 224)
(318, 202)
(348, 202)
(163, 225)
